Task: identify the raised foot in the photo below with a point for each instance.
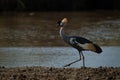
(72, 63)
(67, 65)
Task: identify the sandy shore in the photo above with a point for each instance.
(50, 73)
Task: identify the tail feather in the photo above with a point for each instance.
(98, 49)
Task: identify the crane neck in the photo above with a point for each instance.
(61, 33)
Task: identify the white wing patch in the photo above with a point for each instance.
(72, 40)
(87, 46)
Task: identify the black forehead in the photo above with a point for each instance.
(59, 22)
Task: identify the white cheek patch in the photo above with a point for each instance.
(61, 24)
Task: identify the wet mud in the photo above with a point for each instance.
(50, 73)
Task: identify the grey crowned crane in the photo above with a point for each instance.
(79, 43)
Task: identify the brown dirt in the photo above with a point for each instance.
(50, 73)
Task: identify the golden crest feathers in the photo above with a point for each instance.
(64, 20)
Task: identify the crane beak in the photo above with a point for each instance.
(59, 22)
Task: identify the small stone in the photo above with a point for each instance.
(87, 78)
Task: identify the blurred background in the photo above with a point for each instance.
(33, 22)
(61, 5)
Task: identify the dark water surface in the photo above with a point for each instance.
(57, 57)
(39, 28)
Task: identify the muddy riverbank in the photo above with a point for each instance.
(49, 73)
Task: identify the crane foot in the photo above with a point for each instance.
(72, 63)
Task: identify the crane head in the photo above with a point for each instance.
(62, 22)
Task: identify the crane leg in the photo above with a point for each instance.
(76, 60)
(83, 59)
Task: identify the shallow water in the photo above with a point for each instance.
(57, 57)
